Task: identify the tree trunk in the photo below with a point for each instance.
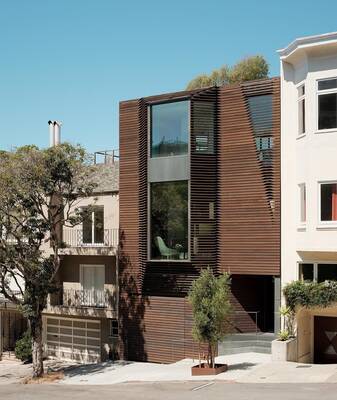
(37, 352)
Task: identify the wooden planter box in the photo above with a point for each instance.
(198, 370)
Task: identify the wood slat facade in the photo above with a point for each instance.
(234, 215)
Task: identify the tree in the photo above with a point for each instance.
(210, 300)
(249, 68)
(39, 192)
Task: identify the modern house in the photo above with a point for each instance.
(199, 187)
(81, 319)
(309, 182)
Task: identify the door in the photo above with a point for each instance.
(92, 282)
(325, 340)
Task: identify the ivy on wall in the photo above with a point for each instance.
(310, 294)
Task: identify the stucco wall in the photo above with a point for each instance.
(308, 159)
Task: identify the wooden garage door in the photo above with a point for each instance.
(325, 340)
(73, 339)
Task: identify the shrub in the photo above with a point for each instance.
(310, 294)
(283, 335)
(23, 348)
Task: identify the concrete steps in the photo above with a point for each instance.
(246, 343)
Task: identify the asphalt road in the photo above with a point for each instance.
(171, 390)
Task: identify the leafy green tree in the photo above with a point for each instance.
(210, 300)
(39, 192)
(249, 68)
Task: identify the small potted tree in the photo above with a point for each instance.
(210, 300)
(284, 348)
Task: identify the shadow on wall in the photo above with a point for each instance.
(131, 307)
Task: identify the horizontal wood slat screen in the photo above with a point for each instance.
(249, 193)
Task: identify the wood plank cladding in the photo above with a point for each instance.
(248, 191)
(161, 331)
(129, 196)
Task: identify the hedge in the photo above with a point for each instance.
(310, 294)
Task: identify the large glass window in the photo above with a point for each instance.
(169, 220)
(169, 129)
(328, 194)
(327, 104)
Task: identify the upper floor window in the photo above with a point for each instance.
(301, 110)
(328, 201)
(169, 220)
(327, 104)
(93, 226)
(303, 203)
(170, 129)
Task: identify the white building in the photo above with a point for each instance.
(309, 181)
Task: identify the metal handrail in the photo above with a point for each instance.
(87, 298)
(250, 312)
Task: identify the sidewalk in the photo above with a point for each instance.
(290, 372)
(119, 372)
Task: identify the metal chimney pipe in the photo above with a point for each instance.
(51, 134)
(57, 133)
(54, 133)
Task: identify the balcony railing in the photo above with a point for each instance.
(76, 238)
(87, 298)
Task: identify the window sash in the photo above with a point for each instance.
(324, 92)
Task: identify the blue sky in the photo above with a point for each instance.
(74, 60)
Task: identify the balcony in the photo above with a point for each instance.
(87, 298)
(77, 241)
(84, 302)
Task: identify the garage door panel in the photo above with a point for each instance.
(325, 340)
(72, 339)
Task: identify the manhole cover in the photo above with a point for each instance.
(304, 366)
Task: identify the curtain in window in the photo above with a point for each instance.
(334, 203)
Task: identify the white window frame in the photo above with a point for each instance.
(324, 224)
(315, 266)
(299, 101)
(322, 92)
(93, 244)
(302, 189)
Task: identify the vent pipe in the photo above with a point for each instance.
(54, 133)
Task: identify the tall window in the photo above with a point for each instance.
(303, 203)
(261, 115)
(327, 104)
(328, 201)
(169, 220)
(301, 110)
(93, 227)
(169, 129)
